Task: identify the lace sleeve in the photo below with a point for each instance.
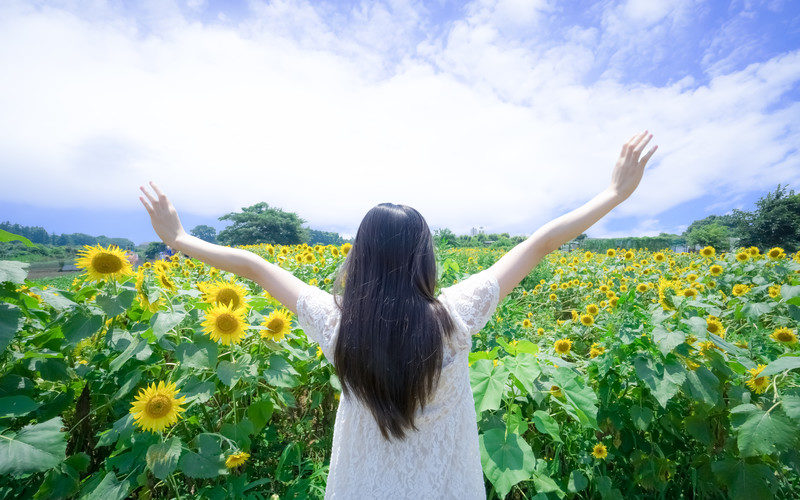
(473, 300)
(317, 315)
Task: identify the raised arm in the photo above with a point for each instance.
(512, 267)
(279, 282)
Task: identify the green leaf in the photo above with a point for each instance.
(789, 292)
(506, 459)
(197, 391)
(488, 384)
(280, 372)
(138, 347)
(164, 321)
(525, 368)
(791, 405)
(781, 365)
(11, 321)
(162, 458)
(760, 432)
(259, 413)
(207, 462)
(16, 406)
(239, 433)
(704, 385)
(36, 447)
(56, 300)
(13, 271)
(580, 397)
(201, 354)
(81, 325)
(667, 340)
(663, 380)
(6, 236)
(744, 481)
(755, 310)
(110, 488)
(546, 424)
(114, 305)
(577, 481)
(641, 417)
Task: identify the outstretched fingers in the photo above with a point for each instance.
(149, 196)
(146, 206)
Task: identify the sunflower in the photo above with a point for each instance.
(776, 253)
(742, 256)
(689, 293)
(691, 277)
(157, 407)
(663, 286)
(715, 270)
(592, 309)
(346, 248)
(553, 296)
(707, 251)
(562, 346)
(757, 384)
(774, 291)
(739, 289)
(165, 282)
(104, 263)
(225, 293)
(596, 350)
(587, 320)
(784, 335)
(555, 391)
(277, 325)
(611, 252)
(161, 266)
(714, 325)
(540, 331)
(574, 314)
(236, 459)
(599, 451)
(225, 324)
(642, 287)
(526, 323)
(659, 257)
(628, 255)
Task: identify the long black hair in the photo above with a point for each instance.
(390, 344)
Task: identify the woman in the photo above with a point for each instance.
(406, 423)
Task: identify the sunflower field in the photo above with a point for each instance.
(622, 374)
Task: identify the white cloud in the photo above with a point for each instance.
(329, 113)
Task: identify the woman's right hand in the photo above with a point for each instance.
(629, 168)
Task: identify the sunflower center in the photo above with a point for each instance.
(228, 296)
(158, 406)
(713, 328)
(784, 336)
(275, 325)
(106, 263)
(227, 323)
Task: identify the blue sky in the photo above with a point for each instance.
(496, 113)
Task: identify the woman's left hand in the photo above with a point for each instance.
(163, 216)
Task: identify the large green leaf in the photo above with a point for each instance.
(525, 368)
(744, 481)
(506, 459)
(162, 458)
(6, 236)
(663, 380)
(114, 305)
(239, 433)
(201, 354)
(11, 321)
(34, 448)
(667, 340)
(760, 432)
(164, 321)
(488, 384)
(280, 372)
(704, 385)
(16, 406)
(781, 365)
(581, 399)
(546, 424)
(13, 271)
(259, 413)
(110, 488)
(81, 325)
(207, 462)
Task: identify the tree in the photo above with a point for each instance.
(444, 236)
(730, 221)
(774, 223)
(261, 224)
(205, 233)
(324, 238)
(154, 248)
(715, 235)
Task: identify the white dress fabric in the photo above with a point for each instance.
(442, 459)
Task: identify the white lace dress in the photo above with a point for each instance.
(442, 459)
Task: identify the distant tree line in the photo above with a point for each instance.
(38, 234)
